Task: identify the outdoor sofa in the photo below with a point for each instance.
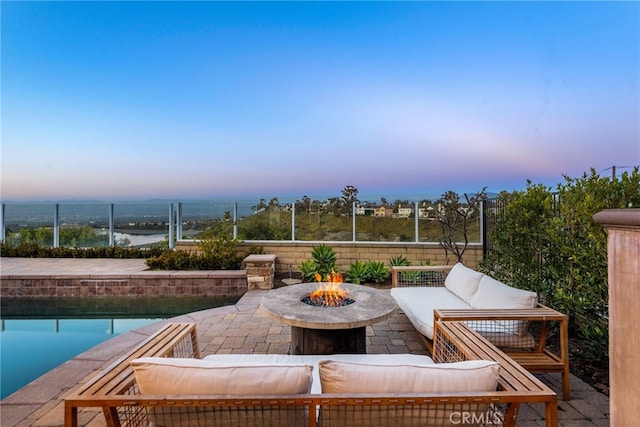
(162, 382)
(512, 319)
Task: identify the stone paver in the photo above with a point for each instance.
(242, 328)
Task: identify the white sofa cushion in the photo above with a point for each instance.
(463, 281)
(468, 376)
(494, 294)
(314, 359)
(418, 304)
(172, 376)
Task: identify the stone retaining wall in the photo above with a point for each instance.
(144, 284)
(291, 254)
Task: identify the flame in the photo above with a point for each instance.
(330, 294)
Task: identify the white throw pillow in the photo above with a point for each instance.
(468, 376)
(463, 281)
(494, 294)
(176, 376)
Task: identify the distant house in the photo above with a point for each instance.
(404, 210)
(365, 209)
(383, 211)
(426, 212)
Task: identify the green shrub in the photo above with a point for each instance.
(217, 251)
(376, 272)
(358, 272)
(172, 260)
(548, 242)
(325, 259)
(307, 270)
(36, 250)
(367, 272)
(255, 250)
(399, 260)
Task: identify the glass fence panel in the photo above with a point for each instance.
(217, 216)
(83, 225)
(29, 223)
(429, 230)
(474, 230)
(323, 226)
(390, 228)
(140, 224)
(270, 223)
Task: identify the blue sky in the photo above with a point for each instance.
(136, 100)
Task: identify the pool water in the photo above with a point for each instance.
(31, 348)
(36, 336)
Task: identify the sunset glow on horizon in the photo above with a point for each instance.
(125, 100)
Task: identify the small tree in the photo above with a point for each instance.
(454, 218)
(349, 197)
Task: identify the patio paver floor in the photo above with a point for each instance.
(242, 328)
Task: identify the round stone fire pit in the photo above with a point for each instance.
(328, 330)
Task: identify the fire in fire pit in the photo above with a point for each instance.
(329, 293)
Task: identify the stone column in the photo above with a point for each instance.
(260, 271)
(623, 248)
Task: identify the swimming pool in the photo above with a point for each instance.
(36, 336)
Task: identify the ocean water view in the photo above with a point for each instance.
(135, 223)
(97, 212)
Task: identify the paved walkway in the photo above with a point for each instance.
(61, 266)
(242, 328)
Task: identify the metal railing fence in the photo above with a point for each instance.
(143, 223)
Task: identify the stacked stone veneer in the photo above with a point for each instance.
(260, 271)
(143, 284)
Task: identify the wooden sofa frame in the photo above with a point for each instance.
(115, 391)
(541, 357)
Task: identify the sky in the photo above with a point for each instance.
(183, 100)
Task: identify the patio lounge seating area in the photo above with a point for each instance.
(510, 318)
(471, 379)
(243, 329)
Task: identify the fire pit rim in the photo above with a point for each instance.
(284, 304)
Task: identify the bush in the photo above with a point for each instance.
(217, 252)
(173, 260)
(36, 250)
(367, 272)
(325, 259)
(323, 263)
(548, 242)
(376, 272)
(307, 270)
(399, 260)
(357, 273)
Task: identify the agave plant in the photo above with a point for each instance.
(376, 271)
(358, 272)
(307, 270)
(399, 260)
(325, 259)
